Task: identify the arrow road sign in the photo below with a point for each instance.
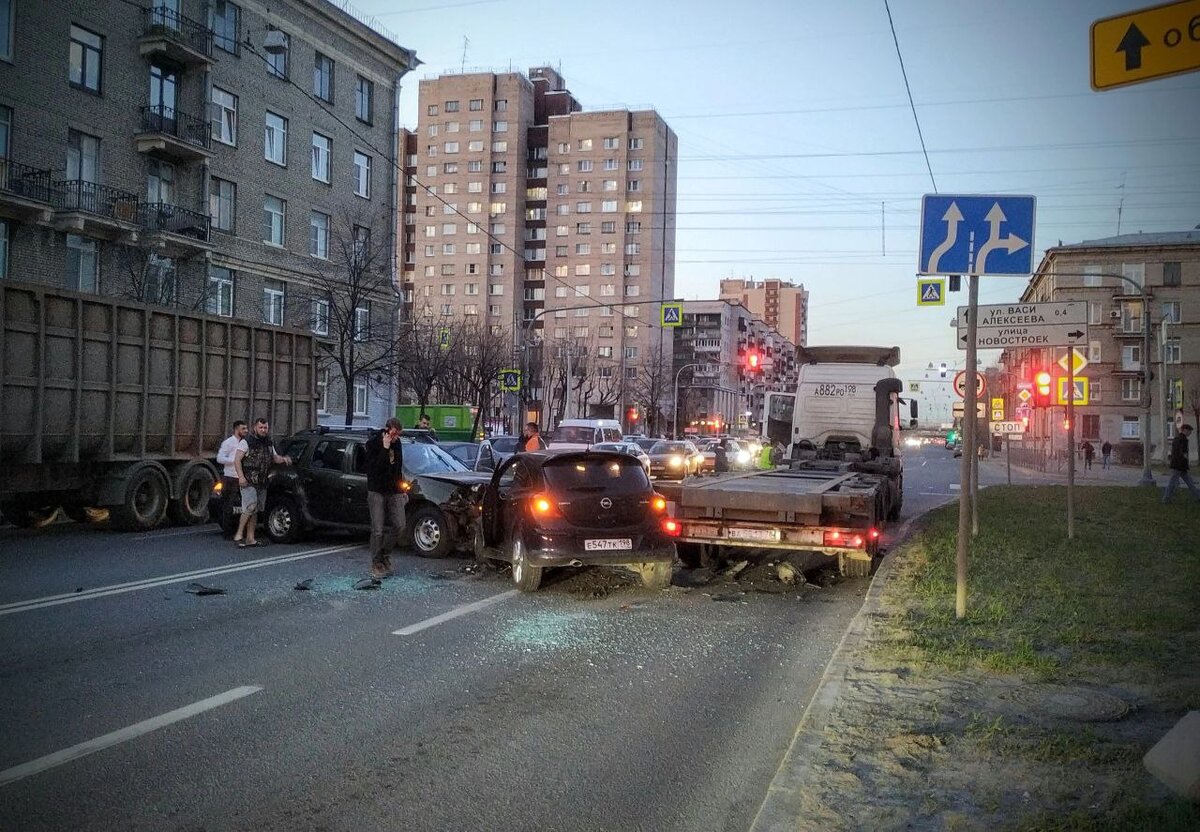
(1146, 44)
(1061, 324)
(960, 408)
(931, 291)
(1007, 428)
(978, 235)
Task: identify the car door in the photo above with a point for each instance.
(510, 484)
(323, 480)
(355, 489)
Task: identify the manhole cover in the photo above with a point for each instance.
(1081, 704)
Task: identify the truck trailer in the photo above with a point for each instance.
(112, 407)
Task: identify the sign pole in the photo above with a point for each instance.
(1070, 443)
(1008, 456)
(964, 488)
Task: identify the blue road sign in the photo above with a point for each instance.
(976, 234)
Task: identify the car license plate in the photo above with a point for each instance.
(608, 544)
(769, 535)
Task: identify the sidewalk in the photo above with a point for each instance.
(1096, 475)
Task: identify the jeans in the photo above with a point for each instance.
(1105, 458)
(1176, 476)
(389, 508)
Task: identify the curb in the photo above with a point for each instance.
(779, 810)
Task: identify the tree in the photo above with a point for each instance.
(351, 303)
(1191, 398)
(653, 386)
(480, 353)
(146, 276)
(430, 356)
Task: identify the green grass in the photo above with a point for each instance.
(1121, 594)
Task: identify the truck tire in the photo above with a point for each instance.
(431, 534)
(146, 496)
(894, 513)
(526, 576)
(655, 575)
(29, 515)
(190, 508)
(284, 522)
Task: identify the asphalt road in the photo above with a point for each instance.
(442, 701)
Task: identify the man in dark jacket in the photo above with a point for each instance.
(385, 497)
(1179, 465)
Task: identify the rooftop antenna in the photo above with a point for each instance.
(466, 43)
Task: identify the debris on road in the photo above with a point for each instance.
(304, 585)
(692, 577)
(368, 583)
(786, 572)
(736, 568)
(201, 589)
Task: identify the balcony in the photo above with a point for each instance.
(168, 34)
(179, 232)
(25, 192)
(171, 134)
(95, 210)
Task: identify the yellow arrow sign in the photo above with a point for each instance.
(1146, 44)
(1080, 361)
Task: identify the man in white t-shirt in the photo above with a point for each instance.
(226, 457)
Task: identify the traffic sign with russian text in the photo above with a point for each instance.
(960, 384)
(1007, 428)
(1056, 324)
(931, 291)
(1145, 44)
(1081, 390)
(976, 234)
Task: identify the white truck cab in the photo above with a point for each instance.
(581, 434)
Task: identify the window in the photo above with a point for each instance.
(224, 126)
(432, 130)
(499, 147)
(323, 77)
(1091, 426)
(82, 264)
(1172, 351)
(635, 184)
(362, 175)
(497, 208)
(451, 106)
(475, 105)
(83, 157)
(499, 187)
(635, 164)
(448, 289)
(608, 248)
(584, 187)
(608, 227)
(1172, 274)
(272, 302)
(501, 105)
(585, 144)
(608, 206)
(633, 248)
(584, 165)
(1095, 313)
(5, 124)
(499, 126)
(362, 244)
(494, 311)
(1131, 317)
(632, 290)
(320, 317)
(364, 99)
(223, 20)
(275, 139)
(471, 289)
(1170, 311)
(634, 206)
(499, 167)
(219, 299)
(318, 235)
(3, 249)
(611, 164)
(160, 182)
(321, 148)
(277, 62)
(1135, 272)
(470, 309)
(1131, 428)
(475, 125)
(612, 143)
(583, 248)
(274, 220)
(582, 269)
(1091, 276)
(1094, 352)
(475, 147)
(634, 227)
(1131, 389)
(583, 207)
(361, 401)
(323, 391)
(451, 126)
(495, 289)
(432, 110)
(86, 57)
(1131, 357)
(610, 184)
(362, 322)
(450, 147)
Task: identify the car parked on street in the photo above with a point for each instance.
(477, 456)
(548, 509)
(672, 459)
(502, 446)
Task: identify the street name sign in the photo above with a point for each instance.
(976, 234)
(1145, 44)
(960, 384)
(931, 291)
(1060, 324)
(960, 408)
(1008, 428)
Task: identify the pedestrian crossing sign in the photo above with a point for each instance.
(444, 338)
(672, 314)
(1081, 390)
(510, 381)
(931, 291)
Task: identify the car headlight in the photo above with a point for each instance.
(743, 457)
(676, 461)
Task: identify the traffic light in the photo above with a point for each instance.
(1066, 424)
(1041, 386)
(753, 361)
(633, 414)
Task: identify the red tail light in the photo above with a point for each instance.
(658, 503)
(542, 506)
(873, 534)
(834, 538)
(404, 485)
(847, 539)
(857, 541)
(672, 527)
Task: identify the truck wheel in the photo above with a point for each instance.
(431, 535)
(689, 554)
(284, 521)
(146, 498)
(190, 508)
(526, 576)
(26, 515)
(894, 513)
(656, 575)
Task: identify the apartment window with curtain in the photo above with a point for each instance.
(277, 62)
(318, 236)
(222, 199)
(274, 220)
(320, 317)
(322, 147)
(323, 77)
(275, 139)
(219, 298)
(83, 264)
(361, 400)
(362, 175)
(224, 126)
(274, 293)
(364, 99)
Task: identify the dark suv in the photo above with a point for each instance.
(326, 487)
(575, 508)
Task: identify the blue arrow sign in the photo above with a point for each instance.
(976, 234)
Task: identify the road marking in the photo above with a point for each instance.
(151, 583)
(935, 493)
(954, 486)
(12, 775)
(465, 609)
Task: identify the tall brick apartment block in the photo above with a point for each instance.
(522, 208)
(199, 153)
(781, 303)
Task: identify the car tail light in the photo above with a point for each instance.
(873, 534)
(218, 488)
(658, 503)
(857, 541)
(672, 528)
(404, 485)
(542, 506)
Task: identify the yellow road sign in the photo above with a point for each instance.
(1081, 390)
(1080, 361)
(1146, 44)
(997, 415)
(997, 403)
(931, 291)
(671, 314)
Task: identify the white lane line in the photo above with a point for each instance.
(935, 493)
(151, 583)
(465, 609)
(12, 775)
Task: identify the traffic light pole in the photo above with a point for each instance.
(1070, 443)
(970, 452)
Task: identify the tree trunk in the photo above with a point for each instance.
(349, 402)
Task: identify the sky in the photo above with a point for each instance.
(799, 154)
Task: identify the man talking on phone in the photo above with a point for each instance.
(385, 498)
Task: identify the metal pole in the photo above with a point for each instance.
(964, 491)
(1070, 443)
(1008, 456)
(1147, 477)
(1162, 387)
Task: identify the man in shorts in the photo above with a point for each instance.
(252, 460)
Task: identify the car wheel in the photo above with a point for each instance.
(430, 533)
(284, 521)
(656, 575)
(526, 576)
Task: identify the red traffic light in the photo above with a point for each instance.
(752, 360)
(633, 414)
(1042, 380)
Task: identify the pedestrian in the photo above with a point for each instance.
(720, 458)
(425, 423)
(1178, 461)
(229, 475)
(386, 497)
(532, 438)
(1089, 453)
(1105, 454)
(252, 461)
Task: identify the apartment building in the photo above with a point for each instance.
(719, 388)
(781, 303)
(549, 222)
(1167, 265)
(203, 154)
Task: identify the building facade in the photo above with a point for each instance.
(550, 223)
(208, 155)
(1167, 265)
(780, 303)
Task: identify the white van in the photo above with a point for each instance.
(581, 434)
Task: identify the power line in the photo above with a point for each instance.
(908, 89)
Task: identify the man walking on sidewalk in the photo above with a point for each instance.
(1179, 465)
(1089, 453)
(1105, 453)
(385, 499)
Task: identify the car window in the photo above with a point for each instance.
(423, 458)
(610, 475)
(295, 448)
(691, 449)
(464, 453)
(330, 454)
(669, 448)
(505, 444)
(575, 434)
(608, 446)
(610, 435)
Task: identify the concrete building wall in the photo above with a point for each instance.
(781, 303)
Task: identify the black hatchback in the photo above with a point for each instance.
(575, 508)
